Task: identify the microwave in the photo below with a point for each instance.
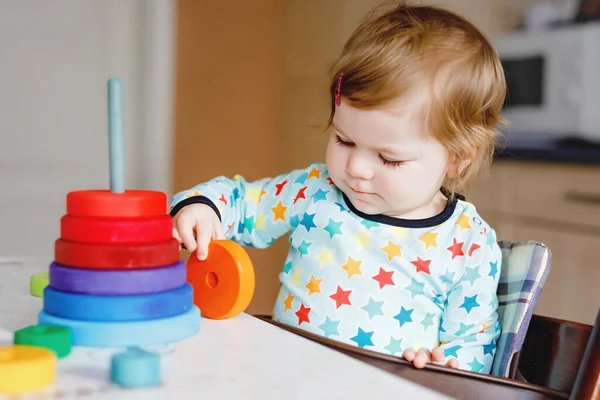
(553, 80)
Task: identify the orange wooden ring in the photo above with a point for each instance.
(224, 282)
(104, 203)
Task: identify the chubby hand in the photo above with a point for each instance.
(424, 356)
(195, 225)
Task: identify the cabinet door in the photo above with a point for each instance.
(572, 288)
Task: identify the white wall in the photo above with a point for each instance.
(55, 59)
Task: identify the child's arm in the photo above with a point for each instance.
(256, 213)
(469, 327)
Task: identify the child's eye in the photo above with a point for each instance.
(343, 142)
(390, 163)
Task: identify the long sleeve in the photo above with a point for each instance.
(257, 213)
(469, 327)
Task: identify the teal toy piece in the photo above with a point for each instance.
(135, 368)
(137, 307)
(128, 334)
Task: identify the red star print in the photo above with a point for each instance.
(474, 247)
(456, 248)
(302, 314)
(341, 297)
(384, 278)
(229, 227)
(422, 265)
(280, 186)
(223, 199)
(330, 181)
(300, 194)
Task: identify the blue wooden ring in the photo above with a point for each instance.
(137, 307)
(129, 334)
(119, 281)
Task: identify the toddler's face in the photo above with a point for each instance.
(384, 161)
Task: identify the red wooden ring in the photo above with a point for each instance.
(116, 256)
(104, 203)
(116, 230)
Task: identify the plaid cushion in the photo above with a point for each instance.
(525, 266)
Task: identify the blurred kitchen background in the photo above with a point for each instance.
(216, 87)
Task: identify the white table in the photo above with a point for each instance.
(242, 357)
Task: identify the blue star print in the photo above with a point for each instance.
(404, 316)
(307, 221)
(320, 195)
(373, 308)
(330, 327)
(363, 338)
(470, 303)
(415, 288)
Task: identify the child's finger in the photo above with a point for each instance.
(203, 240)
(422, 358)
(219, 235)
(177, 237)
(409, 354)
(453, 363)
(186, 233)
(437, 355)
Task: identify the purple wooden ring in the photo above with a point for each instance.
(117, 282)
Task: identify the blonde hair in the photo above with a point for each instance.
(390, 54)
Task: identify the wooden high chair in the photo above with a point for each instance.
(536, 357)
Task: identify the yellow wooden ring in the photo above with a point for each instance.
(26, 368)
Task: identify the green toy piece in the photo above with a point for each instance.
(38, 283)
(56, 338)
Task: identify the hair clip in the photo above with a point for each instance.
(338, 90)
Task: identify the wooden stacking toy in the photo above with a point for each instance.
(117, 281)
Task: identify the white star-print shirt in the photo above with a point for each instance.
(372, 281)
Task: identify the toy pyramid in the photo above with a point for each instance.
(117, 281)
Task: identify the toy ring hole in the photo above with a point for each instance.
(212, 280)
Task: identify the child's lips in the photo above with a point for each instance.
(358, 191)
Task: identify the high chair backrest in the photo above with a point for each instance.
(525, 267)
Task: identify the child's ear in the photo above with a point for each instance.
(457, 166)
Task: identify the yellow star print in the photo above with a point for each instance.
(399, 232)
(392, 250)
(463, 222)
(253, 194)
(325, 257)
(430, 239)
(314, 173)
(352, 267)
(296, 277)
(260, 221)
(362, 237)
(279, 211)
(314, 285)
(196, 193)
(280, 294)
(419, 344)
(288, 302)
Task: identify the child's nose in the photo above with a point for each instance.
(359, 167)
